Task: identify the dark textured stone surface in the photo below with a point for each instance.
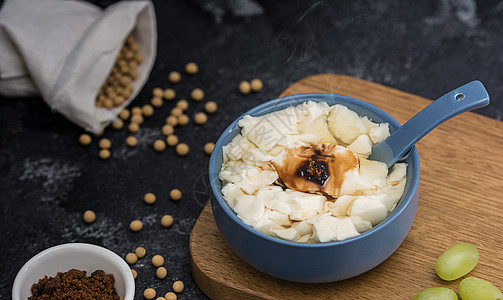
(48, 179)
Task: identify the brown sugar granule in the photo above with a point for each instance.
(74, 284)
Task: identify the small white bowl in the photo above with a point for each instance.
(79, 256)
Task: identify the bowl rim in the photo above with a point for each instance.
(102, 251)
(256, 111)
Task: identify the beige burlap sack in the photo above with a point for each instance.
(65, 50)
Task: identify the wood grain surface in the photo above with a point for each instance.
(460, 200)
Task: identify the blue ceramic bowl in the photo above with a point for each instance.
(323, 262)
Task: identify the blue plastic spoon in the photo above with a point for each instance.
(467, 97)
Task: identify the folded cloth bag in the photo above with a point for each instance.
(65, 50)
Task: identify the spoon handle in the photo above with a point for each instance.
(467, 97)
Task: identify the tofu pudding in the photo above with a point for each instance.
(301, 173)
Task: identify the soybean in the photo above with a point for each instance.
(169, 94)
(197, 94)
(131, 258)
(208, 148)
(166, 221)
(211, 107)
(191, 68)
(174, 77)
(175, 194)
(161, 272)
(182, 149)
(183, 120)
(244, 87)
(89, 216)
(104, 154)
(149, 294)
(159, 145)
(178, 286)
(85, 139)
(157, 260)
(136, 225)
(149, 198)
(256, 85)
(200, 118)
(140, 252)
(457, 261)
(172, 140)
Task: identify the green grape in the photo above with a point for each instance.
(436, 293)
(457, 261)
(472, 288)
